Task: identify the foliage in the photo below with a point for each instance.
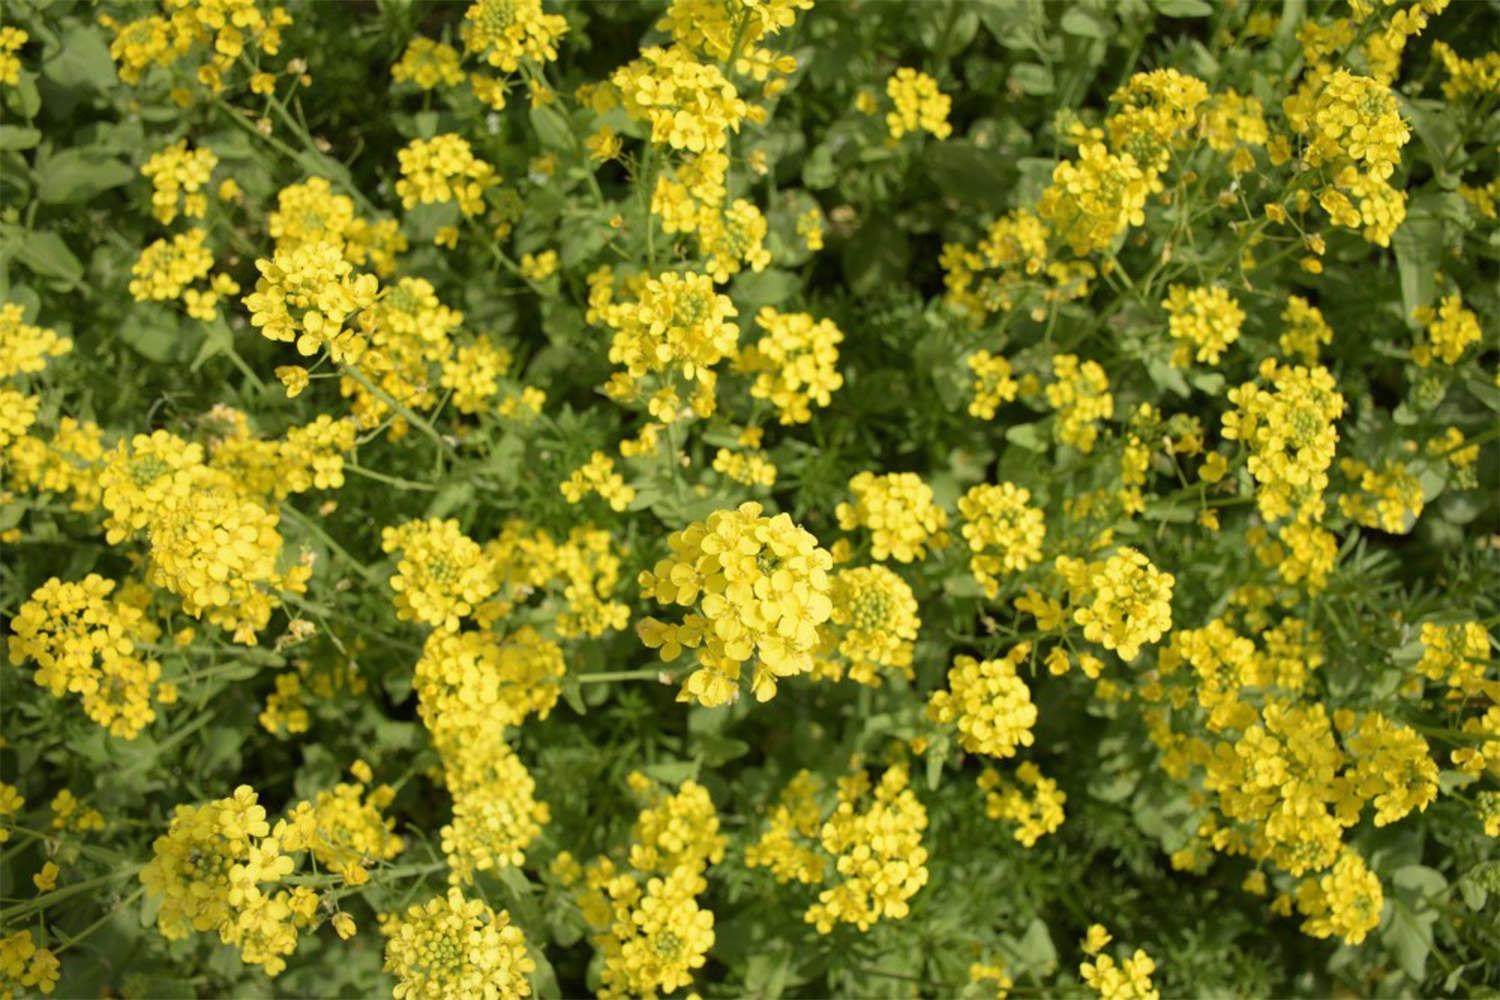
(734, 497)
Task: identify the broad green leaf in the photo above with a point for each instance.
(44, 253)
(770, 287)
(876, 257)
(83, 60)
(1183, 8)
(1033, 79)
(76, 175)
(18, 137)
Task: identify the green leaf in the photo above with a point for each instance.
(551, 128)
(770, 287)
(1078, 21)
(1418, 246)
(83, 60)
(963, 171)
(76, 175)
(1029, 436)
(1183, 8)
(1486, 392)
(876, 257)
(44, 253)
(18, 137)
(818, 170)
(1033, 79)
(153, 332)
(1167, 376)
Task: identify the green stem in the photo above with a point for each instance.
(91, 928)
(396, 481)
(316, 529)
(66, 892)
(401, 408)
(611, 677)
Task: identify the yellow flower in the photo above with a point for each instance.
(761, 591)
(1123, 602)
(443, 169)
(1004, 532)
(919, 105)
(795, 363)
(46, 879)
(988, 702)
(1203, 321)
(451, 946)
(899, 510)
(428, 64)
(442, 574)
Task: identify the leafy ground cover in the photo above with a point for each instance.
(734, 498)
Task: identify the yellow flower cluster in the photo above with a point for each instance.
(1004, 532)
(178, 176)
(471, 687)
(1346, 902)
(213, 541)
(165, 269)
(310, 213)
(1468, 77)
(690, 105)
(305, 294)
(753, 468)
(428, 64)
(222, 30)
(761, 589)
(1094, 199)
(443, 169)
(287, 707)
(467, 680)
(23, 966)
(1458, 656)
(408, 331)
(734, 30)
(786, 846)
(1155, 112)
(1289, 431)
(451, 946)
(1080, 395)
(598, 475)
(344, 828)
(216, 869)
(25, 349)
(1129, 979)
(506, 32)
(1123, 602)
(872, 628)
(11, 40)
(649, 927)
(1035, 814)
(795, 363)
(583, 568)
(900, 513)
(1351, 118)
(1389, 499)
(678, 326)
(875, 841)
(1203, 321)
(442, 574)
(993, 384)
(1354, 133)
(918, 105)
(85, 643)
(1450, 330)
(990, 705)
(1306, 330)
